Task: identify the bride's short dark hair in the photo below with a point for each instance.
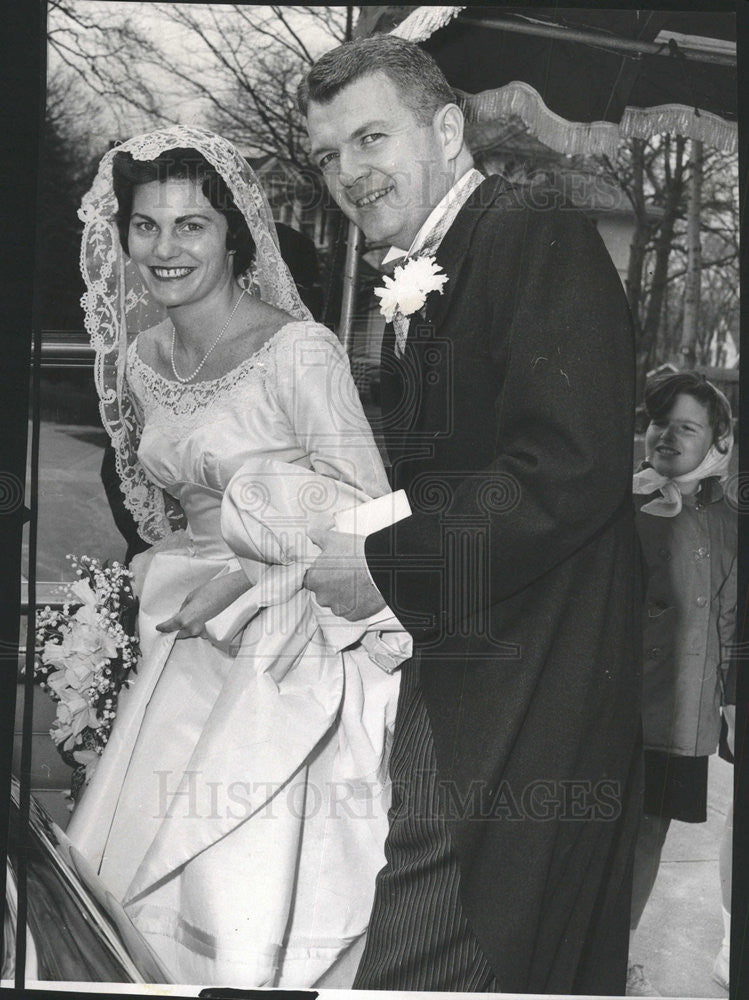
(181, 164)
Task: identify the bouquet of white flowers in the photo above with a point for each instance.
(84, 659)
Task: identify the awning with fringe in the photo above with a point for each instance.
(580, 80)
(483, 110)
(424, 21)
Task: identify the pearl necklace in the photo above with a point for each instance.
(224, 328)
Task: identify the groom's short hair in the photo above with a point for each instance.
(420, 81)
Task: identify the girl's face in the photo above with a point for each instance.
(178, 241)
(677, 443)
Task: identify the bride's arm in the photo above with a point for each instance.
(317, 393)
(205, 603)
(322, 402)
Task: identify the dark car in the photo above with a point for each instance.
(77, 930)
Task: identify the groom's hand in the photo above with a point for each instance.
(339, 577)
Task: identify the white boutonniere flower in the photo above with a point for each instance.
(407, 290)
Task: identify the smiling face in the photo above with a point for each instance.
(385, 169)
(177, 239)
(676, 443)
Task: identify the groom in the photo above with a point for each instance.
(507, 410)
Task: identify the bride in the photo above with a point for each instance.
(239, 810)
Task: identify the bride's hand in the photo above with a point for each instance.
(205, 603)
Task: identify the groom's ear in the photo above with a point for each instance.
(449, 125)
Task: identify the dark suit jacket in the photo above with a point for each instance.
(510, 425)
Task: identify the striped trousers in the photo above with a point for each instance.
(419, 937)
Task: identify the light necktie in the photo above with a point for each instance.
(426, 245)
(401, 323)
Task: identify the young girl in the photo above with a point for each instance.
(688, 532)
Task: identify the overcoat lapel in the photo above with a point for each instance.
(453, 250)
(402, 379)
(450, 256)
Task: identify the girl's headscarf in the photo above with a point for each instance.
(715, 463)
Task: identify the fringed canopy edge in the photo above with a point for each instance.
(424, 21)
(594, 138)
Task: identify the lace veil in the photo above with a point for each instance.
(117, 305)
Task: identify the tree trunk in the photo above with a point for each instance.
(673, 189)
(687, 348)
(639, 242)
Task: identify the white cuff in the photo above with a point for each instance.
(374, 515)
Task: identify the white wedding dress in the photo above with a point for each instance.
(240, 809)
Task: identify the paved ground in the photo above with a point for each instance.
(682, 928)
(73, 511)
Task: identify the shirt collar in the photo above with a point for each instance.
(446, 209)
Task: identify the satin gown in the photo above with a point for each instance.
(239, 810)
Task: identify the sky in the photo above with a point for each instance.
(175, 98)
